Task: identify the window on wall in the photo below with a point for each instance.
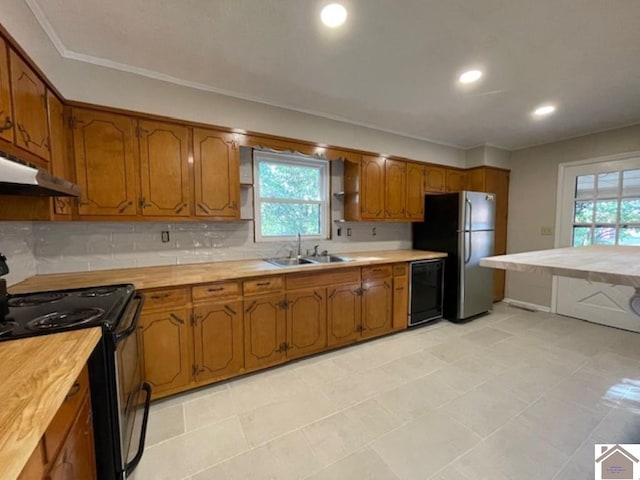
(291, 196)
(607, 209)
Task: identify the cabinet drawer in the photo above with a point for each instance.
(215, 290)
(378, 271)
(61, 423)
(263, 285)
(400, 269)
(316, 279)
(167, 297)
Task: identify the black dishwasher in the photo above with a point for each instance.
(425, 291)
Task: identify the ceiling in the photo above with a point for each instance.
(394, 64)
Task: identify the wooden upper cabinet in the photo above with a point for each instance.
(395, 174)
(6, 113)
(106, 160)
(372, 187)
(456, 180)
(306, 322)
(60, 165)
(164, 169)
(218, 340)
(475, 180)
(435, 179)
(217, 174)
(415, 192)
(29, 107)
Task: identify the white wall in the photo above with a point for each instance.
(94, 84)
(487, 155)
(17, 244)
(532, 198)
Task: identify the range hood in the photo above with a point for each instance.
(17, 178)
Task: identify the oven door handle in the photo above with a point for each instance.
(130, 467)
(134, 321)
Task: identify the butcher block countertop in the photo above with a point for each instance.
(618, 265)
(176, 275)
(36, 374)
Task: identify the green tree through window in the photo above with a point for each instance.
(290, 196)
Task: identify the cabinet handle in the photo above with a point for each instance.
(332, 294)
(229, 309)
(122, 209)
(251, 307)
(216, 289)
(160, 296)
(176, 318)
(73, 391)
(319, 297)
(181, 208)
(263, 284)
(203, 209)
(7, 124)
(25, 135)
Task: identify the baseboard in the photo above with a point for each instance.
(532, 307)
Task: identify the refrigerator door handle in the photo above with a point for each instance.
(468, 225)
(467, 253)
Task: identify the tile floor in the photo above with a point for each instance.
(512, 395)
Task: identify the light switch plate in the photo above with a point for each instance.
(546, 230)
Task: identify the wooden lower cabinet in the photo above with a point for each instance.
(166, 353)
(400, 302)
(376, 307)
(344, 309)
(76, 460)
(265, 331)
(36, 465)
(218, 340)
(306, 322)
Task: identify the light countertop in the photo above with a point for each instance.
(618, 265)
(36, 374)
(177, 275)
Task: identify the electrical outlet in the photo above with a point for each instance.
(339, 232)
(348, 232)
(164, 236)
(373, 232)
(546, 230)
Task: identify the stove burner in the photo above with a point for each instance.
(36, 299)
(65, 319)
(98, 292)
(6, 328)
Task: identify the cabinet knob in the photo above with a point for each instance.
(7, 124)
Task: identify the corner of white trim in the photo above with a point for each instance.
(532, 307)
(47, 27)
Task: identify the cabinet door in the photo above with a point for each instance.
(164, 337)
(435, 179)
(475, 180)
(164, 169)
(218, 340)
(6, 114)
(455, 180)
(343, 314)
(264, 331)
(106, 162)
(376, 308)
(400, 302)
(28, 94)
(217, 174)
(497, 181)
(60, 161)
(306, 322)
(76, 460)
(372, 188)
(395, 173)
(415, 192)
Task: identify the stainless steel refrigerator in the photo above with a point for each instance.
(461, 224)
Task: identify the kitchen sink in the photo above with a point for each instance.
(329, 259)
(288, 262)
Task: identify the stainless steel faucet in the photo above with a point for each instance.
(299, 246)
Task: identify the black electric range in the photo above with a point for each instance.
(42, 313)
(119, 395)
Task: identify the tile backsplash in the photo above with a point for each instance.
(83, 246)
(17, 244)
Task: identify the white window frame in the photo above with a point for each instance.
(322, 165)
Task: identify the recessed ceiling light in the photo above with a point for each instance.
(544, 110)
(333, 15)
(470, 76)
